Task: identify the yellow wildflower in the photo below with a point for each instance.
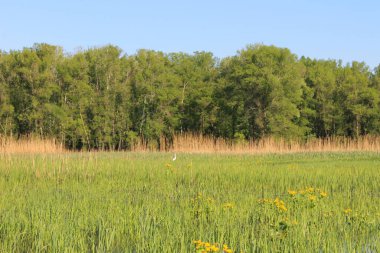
(347, 211)
(283, 208)
(214, 248)
(226, 249)
(323, 194)
(280, 204)
(292, 193)
(312, 197)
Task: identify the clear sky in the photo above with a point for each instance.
(337, 29)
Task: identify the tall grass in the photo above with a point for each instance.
(205, 144)
(30, 145)
(144, 202)
(193, 143)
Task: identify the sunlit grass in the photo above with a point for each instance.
(145, 202)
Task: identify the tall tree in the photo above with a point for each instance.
(321, 77)
(358, 98)
(154, 96)
(196, 75)
(111, 95)
(266, 86)
(6, 108)
(78, 99)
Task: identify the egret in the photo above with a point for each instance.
(175, 157)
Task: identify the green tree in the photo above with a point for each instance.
(77, 100)
(359, 100)
(34, 92)
(109, 113)
(321, 77)
(6, 108)
(264, 84)
(196, 75)
(155, 98)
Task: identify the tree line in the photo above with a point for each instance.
(101, 98)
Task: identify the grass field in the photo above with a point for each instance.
(145, 202)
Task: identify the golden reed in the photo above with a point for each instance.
(31, 145)
(193, 143)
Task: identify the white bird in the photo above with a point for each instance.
(175, 157)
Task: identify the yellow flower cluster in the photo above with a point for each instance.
(277, 202)
(203, 247)
(310, 192)
(280, 205)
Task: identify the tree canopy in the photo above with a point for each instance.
(102, 99)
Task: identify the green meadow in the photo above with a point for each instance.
(145, 202)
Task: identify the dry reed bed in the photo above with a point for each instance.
(30, 146)
(188, 143)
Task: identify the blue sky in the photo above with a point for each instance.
(337, 29)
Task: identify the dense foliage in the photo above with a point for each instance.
(100, 98)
